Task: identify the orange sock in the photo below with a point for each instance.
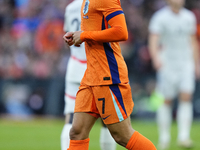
(139, 142)
(79, 144)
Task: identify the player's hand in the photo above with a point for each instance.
(68, 38)
(76, 38)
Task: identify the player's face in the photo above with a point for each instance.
(177, 3)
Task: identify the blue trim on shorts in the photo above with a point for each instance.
(115, 89)
(119, 114)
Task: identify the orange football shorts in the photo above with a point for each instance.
(113, 103)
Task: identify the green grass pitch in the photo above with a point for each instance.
(44, 134)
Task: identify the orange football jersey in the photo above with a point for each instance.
(105, 63)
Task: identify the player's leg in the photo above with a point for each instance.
(164, 119)
(185, 107)
(83, 122)
(65, 132)
(115, 105)
(79, 133)
(184, 120)
(167, 87)
(106, 140)
(126, 136)
(71, 89)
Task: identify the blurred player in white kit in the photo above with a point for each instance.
(75, 70)
(174, 51)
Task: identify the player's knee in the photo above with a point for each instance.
(185, 97)
(78, 133)
(168, 102)
(75, 133)
(119, 139)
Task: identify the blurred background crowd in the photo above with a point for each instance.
(33, 55)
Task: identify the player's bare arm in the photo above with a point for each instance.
(154, 49)
(196, 55)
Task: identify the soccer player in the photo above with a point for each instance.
(75, 71)
(174, 51)
(104, 91)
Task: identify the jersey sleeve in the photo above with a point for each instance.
(117, 32)
(193, 26)
(65, 26)
(111, 8)
(155, 25)
(114, 15)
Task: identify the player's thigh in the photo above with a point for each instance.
(85, 113)
(81, 126)
(121, 131)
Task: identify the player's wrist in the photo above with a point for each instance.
(82, 36)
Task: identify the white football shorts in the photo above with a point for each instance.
(71, 88)
(172, 82)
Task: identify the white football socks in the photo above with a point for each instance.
(184, 120)
(106, 140)
(65, 136)
(164, 119)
